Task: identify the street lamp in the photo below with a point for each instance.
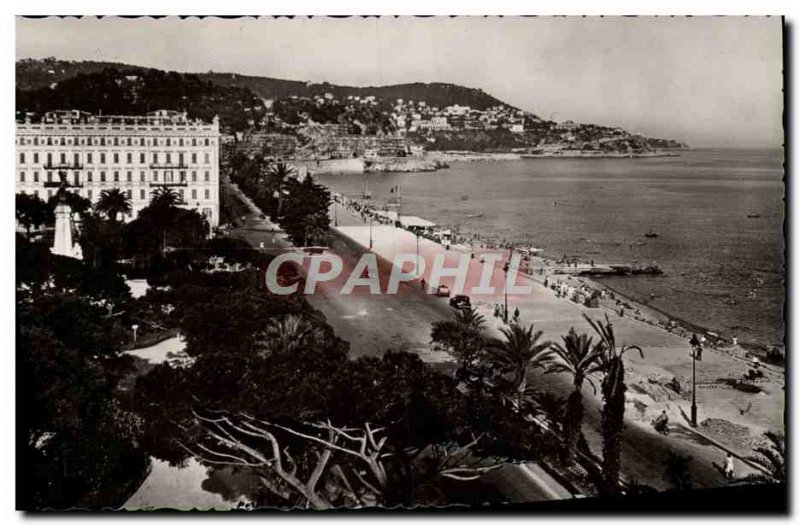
(505, 294)
(370, 231)
(135, 327)
(697, 355)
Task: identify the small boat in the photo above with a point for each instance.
(651, 234)
(753, 216)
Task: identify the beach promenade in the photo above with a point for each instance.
(666, 356)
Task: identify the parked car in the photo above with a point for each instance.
(460, 301)
(443, 291)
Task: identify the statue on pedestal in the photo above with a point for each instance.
(62, 242)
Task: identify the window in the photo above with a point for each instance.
(49, 177)
(208, 158)
(130, 194)
(180, 141)
(76, 157)
(63, 141)
(36, 141)
(49, 159)
(22, 177)
(116, 141)
(194, 176)
(183, 176)
(102, 141)
(194, 142)
(141, 176)
(116, 158)
(194, 193)
(169, 142)
(116, 177)
(35, 158)
(130, 142)
(76, 177)
(49, 141)
(130, 158)
(206, 141)
(63, 158)
(141, 157)
(130, 177)
(89, 158)
(89, 177)
(208, 176)
(180, 193)
(155, 175)
(155, 158)
(169, 157)
(194, 158)
(89, 194)
(36, 178)
(208, 193)
(141, 194)
(102, 158)
(180, 158)
(22, 158)
(102, 177)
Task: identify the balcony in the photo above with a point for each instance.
(63, 166)
(169, 183)
(169, 166)
(57, 184)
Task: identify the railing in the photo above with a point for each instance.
(63, 166)
(57, 184)
(169, 183)
(166, 166)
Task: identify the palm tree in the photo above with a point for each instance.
(462, 337)
(164, 196)
(288, 334)
(772, 458)
(580, 357)
(517, 354)
(613, 388)
(113, 202)
(278, 174)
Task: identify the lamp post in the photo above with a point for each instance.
(505, 294)
(370, 231)
(335, 218)
(697, 354)
(416, 234)
(135, 327)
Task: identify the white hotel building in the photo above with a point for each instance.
(136, 154)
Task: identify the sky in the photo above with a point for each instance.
(707, 81)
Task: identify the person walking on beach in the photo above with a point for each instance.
(516, 314)
(729, 466)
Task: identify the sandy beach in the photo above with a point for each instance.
(666, 352)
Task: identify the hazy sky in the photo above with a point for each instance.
(707, 81)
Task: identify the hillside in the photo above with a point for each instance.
(34, 74)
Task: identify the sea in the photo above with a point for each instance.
(718, 215)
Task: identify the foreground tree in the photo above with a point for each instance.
(771, 458)
(462, 337)
(518, 354)
(304, 213)
(579, 357)
(112, 203)
(31, 212)
(613, 388)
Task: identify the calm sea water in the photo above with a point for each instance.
(723, 270)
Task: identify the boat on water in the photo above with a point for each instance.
(651, 234)
(753, 216)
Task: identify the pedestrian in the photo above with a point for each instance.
(516, 313)
(422, 283)
(729, 466)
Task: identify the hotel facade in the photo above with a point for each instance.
(136, 154)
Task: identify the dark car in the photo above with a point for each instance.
(460, 301)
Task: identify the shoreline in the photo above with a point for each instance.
(637, 309)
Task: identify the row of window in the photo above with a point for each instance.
(115, 141)
(170, 176)
(89, 194)
(155, 158)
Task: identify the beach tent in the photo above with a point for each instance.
(415, 222)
